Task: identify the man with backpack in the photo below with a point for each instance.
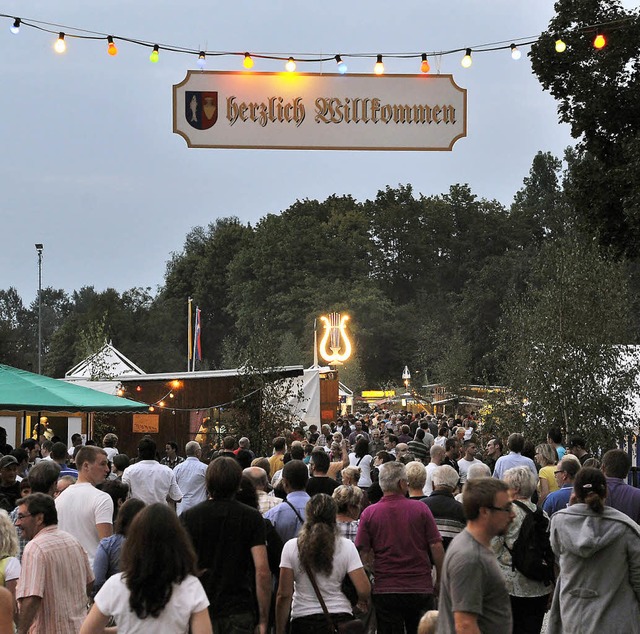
(524, 554)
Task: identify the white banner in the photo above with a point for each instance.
(293, 111)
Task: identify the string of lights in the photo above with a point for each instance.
(163, 404)
(596, 32)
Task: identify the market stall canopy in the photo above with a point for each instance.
(22, 390)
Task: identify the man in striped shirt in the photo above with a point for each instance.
(56, 577)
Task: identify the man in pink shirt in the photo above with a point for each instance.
(395, 536)
(56, 577)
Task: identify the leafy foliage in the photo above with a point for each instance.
(562, 345)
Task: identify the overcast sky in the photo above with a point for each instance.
(90, 166)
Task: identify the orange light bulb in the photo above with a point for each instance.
(599, 41)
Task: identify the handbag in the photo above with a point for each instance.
(352, 626)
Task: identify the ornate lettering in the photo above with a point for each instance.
(275, 110)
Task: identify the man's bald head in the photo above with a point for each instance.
(258, 477)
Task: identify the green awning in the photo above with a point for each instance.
(25, 391)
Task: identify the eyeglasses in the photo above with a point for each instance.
(505, 509)
(21, 516)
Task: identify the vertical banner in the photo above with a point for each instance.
(189, 337)
(197, 349)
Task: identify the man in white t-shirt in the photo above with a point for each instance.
(468, 459)
(437, 454)
(84, 511)
(149, 480)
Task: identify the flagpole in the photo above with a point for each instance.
(189, 336)
(315, 343)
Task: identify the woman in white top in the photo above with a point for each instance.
(9, 563)
(156, 591)
(330, 557)
(360, 457)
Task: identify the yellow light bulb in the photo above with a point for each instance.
(290, 65)
(60, 46)
(378, 69)
(155, 54)
(599, 41)
(248, 62)
(466, 60)
(561, 47)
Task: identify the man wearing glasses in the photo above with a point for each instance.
(565, 474)
(473, 594)
(56, 577)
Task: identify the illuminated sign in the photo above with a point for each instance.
(378, 393)
(335, 346)
(228, 109)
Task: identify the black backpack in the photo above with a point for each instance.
(531, 554)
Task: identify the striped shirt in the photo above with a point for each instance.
(56, 568)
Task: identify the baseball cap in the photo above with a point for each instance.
(6, 461)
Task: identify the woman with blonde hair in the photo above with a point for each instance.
(322, 556)
(529, 598)
(9, 549)
(348, 499)
(547, 458)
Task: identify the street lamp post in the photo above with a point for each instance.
(39, 248)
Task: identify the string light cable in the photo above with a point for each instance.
(247, 58)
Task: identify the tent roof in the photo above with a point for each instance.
(22, 390)
(106, 359)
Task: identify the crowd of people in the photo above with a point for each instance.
(383, 522)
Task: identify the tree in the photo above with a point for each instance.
(597, 93)
(563, 345)
(12, 331)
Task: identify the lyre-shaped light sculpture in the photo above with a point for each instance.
(335, 346)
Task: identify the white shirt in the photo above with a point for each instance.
(152, 482)
(463, 466)
(190, 477)
(305, 601)
(80, 508)
(187, 598)
(428, 485)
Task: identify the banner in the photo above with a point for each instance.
(292, 111)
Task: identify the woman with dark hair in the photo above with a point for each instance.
(318, 550)
(598, 550)
(118, 491)
(360, 457)
(107, 559)
(157, 590)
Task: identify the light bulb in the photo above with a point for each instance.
(378, 69)
(155, 54)
(60, 46)
(15, 27)
(424, 66)
(248, 61)
(561, 47)
(202, 60)
(111, 47)
(515, 52)
(342, 67)
(290, 65)
(466, 60)
(599, 41)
